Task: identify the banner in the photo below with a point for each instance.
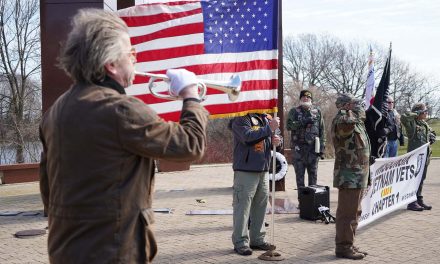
(213, 39)
(394, 183)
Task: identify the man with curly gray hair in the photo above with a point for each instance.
(97, 167)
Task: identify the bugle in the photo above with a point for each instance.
(232, 87)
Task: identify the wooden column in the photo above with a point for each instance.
(55, 16)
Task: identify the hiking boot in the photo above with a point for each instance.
(350, 255)
(414, 206)
(244, 251)
(425, 206)
(265, 246)
(356, 249)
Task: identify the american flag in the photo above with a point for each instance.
(213, 39)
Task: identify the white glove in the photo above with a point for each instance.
(179, 79)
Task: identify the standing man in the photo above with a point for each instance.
(419, 133)
(254, 135)
(351, 171)
(394, 126)
(307, 131)
(97, 167)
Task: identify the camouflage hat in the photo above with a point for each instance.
(418, 108)
(346, 98)
(306, 93)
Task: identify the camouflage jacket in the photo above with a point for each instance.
(304, 131)
(416, 130)
(352, 151)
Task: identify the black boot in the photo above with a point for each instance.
(414, 206)
(425, 206)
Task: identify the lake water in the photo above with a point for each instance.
(31, 154)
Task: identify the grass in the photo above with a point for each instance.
(434, 124)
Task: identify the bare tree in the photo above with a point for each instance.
(408, 87)
(19, 68)
(306, 58)
(348, 70)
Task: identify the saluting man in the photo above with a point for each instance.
(351, 171)
(419, 133)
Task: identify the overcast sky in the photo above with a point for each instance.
(413, 26)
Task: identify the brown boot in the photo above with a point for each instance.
(356, 249)
(350, 255)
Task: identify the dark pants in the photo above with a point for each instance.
(347, 216)
(419, 190)
(305, 158)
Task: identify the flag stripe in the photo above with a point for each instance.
(169, 32)
(154, 55)
(206, 59)
(139, 21)
(148, 29)
(157, 7)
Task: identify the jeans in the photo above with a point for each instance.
(391, 149)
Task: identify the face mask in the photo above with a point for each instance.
(306, 104)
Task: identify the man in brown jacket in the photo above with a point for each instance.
(97, 169)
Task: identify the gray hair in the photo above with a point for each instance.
(95, 39)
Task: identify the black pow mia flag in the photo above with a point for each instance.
(376, 115)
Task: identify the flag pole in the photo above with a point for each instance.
(271, 254)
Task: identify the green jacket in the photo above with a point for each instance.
(417, 131)
(352, 151)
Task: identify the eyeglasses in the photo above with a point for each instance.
(390, 102)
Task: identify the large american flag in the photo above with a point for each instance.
(213, 39)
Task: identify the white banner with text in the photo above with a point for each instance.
(394, 183)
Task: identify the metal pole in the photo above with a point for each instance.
(274, 159)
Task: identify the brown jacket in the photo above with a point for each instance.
(97, 172)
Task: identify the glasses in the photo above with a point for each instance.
(390, 102)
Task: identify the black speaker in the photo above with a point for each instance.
(310, 199)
